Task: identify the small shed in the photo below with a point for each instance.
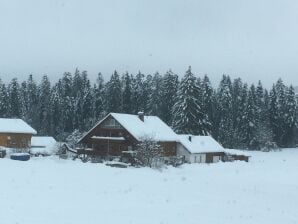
(236, 154)
(200, 149)
(15, 133)
(43, 146)
(205, 149)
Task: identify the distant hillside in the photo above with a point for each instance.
(296, 89)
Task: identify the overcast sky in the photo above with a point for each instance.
(252, 39)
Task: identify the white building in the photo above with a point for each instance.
(200, 149)
(43, 145)
(205, 149)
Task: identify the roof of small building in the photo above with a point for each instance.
(152, 127)
(200, 144)
(43, 144)
(17, 126)
(237, 152)
(206, 144)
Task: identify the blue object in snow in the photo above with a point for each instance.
(20, 156)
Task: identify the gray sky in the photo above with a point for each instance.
(252, 39)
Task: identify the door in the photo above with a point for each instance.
(3, 140)
(216, 159)
(200, 158)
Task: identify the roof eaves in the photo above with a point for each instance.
(98, 123)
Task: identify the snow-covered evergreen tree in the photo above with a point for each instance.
(224, 112)
(114, 94)
(98, 99)
(32, 102)
(155, 102)
(87, 103)
(15, 107)
(169, 88)
(250, 115)
(56, 113)
(127, 93)
(290, 118)
(273, 114)
(208, 100)
(140, 92)
(239, 97)
(44, 106)
(281, 113)
(68, 110)
(4, 103)
(189, 117)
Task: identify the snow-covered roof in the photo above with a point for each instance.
(108, 138)
(200, 144)
(17, 126)
(152, 127)
(205, 144)
(237, 152)
(43, 145)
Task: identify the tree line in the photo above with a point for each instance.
(238, 115)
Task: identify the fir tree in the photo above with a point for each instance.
(56, 113)
(250, 120)
(98, 98)
(127, 93)
(238, 107)
(4, 106)
(225, 120)
(15, 107)
(273, 114)
(154, 102)
(114, 94)
(138, 94)
(44, 106)
(32, 102)
(169, 88)
(86, 98)
(208, 97)
(189, 117)
(67, 102)
(290, 118)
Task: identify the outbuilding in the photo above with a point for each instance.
(205, 149)
(43, 146)
(200, 149)
(15, 133)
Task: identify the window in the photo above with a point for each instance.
(111, 123)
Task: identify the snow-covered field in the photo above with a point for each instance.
(53, 191)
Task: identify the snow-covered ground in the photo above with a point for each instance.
(49, 190)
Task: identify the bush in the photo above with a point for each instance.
(149, 152)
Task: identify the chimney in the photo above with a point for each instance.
(141, 115)
(189, 138)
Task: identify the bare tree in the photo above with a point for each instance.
(149, 152)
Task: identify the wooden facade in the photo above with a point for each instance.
(109, 138)
(14, 140)
(214, 157)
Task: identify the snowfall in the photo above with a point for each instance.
(50, 190)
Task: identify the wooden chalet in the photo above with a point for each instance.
(117, 133)
(15, 133)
